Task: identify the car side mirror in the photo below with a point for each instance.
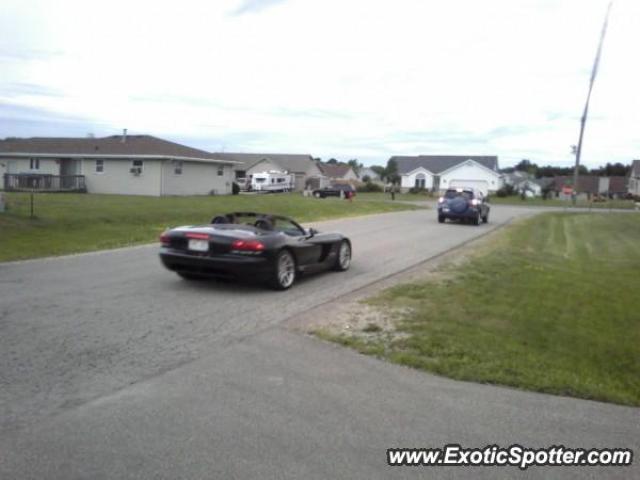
(311, 232)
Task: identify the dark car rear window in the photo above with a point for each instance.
(455, 193)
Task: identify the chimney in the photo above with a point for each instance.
(124, 135)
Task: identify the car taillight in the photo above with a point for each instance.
(165, 239)
(441, 199)
(475, 202)
(198, 236)
(247, 246)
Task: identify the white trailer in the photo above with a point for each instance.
(271, 181)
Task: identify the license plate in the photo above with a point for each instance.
(198, 245)
(445, 209)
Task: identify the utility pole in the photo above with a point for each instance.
(583, 120)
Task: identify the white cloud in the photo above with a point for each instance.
(362, 79)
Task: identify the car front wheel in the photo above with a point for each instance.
(343, 260)
(285, 271)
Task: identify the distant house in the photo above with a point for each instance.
(303, 167)
(439, 172)
(338, 172)
(525, 183)
(120, 164)
(590, 186)
(633, 184)
(612, 187)
(367, 172)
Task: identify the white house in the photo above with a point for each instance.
(439, 172)
(121, 164)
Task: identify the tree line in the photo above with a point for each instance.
(609, 170)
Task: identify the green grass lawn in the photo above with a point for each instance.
(555, 202)
(551, 306)
(70, 223)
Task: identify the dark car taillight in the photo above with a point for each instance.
(247, 246)
(198, 236)
(165, 239)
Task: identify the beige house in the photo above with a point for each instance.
(303, 167)
(338, 172)
(122, 164)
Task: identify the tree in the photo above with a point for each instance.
(332, 161)
(357, 166)
(391, 172)
(526, 165)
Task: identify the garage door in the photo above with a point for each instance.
(481, 185)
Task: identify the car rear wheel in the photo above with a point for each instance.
(441, 219)
(343, 260)
(485, 219)
(476, 220)
(285, 272)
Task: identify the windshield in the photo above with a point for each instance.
(455, 193)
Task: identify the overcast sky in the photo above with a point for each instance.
(333, 78)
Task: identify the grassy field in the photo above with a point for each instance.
(554, 202)
(551, 306)
(70, 223)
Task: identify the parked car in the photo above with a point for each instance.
(250, 245)
(464, 204)
(336, 190)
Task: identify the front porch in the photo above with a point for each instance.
(27, 182)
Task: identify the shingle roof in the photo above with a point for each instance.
(617, 184)
(333, 170)
(440, 163)
(112, 145)
(297, 163)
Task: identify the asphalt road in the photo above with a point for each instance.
(111, 367)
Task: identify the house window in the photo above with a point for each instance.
(34, 164)
(137, 166)
(99, 166)
(420, 180)
(177, 167)
(220, 171)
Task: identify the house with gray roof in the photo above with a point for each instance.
(118, 164)
(440, 172)
(338, 172)
(633, 185)
(303, 167)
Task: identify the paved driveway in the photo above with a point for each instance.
(114, 368)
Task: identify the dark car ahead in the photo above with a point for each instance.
(255, 246)
(464, 204)
(336, 190)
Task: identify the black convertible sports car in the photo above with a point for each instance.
(254, 246)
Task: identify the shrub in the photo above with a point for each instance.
(419, 191)
(370, 187)
(235, 188)
(506, 191)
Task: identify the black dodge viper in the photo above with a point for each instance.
(252, 246)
